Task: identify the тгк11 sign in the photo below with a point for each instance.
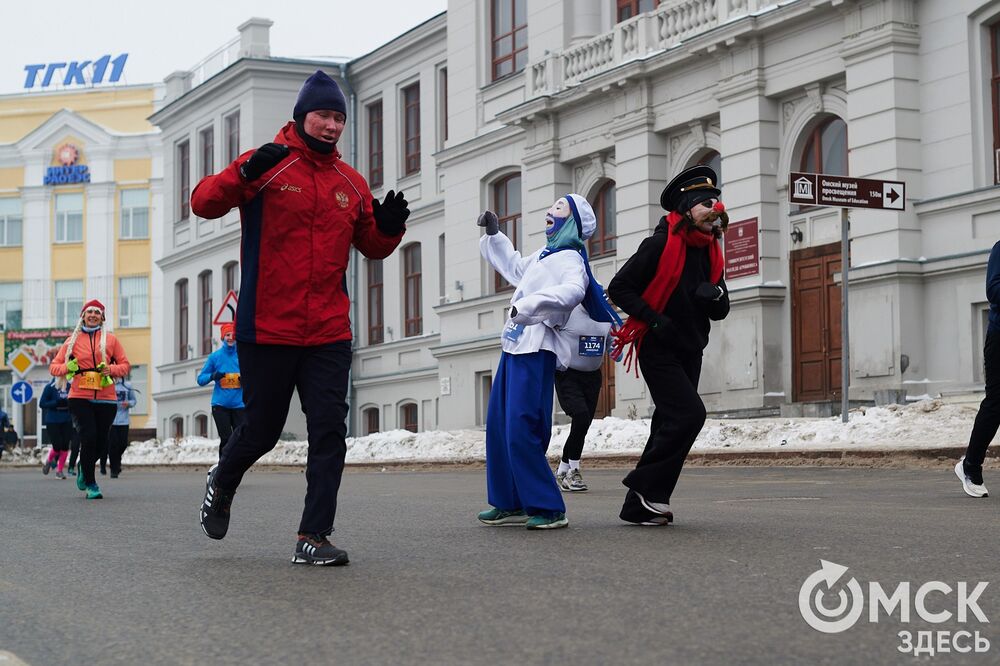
(76, 72)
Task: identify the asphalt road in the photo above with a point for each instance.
(131, 579)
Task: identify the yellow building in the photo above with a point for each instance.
(80, 179)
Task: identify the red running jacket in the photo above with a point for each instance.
(299, 221)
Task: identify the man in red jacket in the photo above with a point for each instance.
(301, 209)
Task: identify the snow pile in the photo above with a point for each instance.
(925, 424)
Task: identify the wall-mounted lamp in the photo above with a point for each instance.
(796, 235)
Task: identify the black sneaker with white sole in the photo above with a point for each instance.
(314, 549)
(635, 511)
(214, 512)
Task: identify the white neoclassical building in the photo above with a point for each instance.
(509, 104)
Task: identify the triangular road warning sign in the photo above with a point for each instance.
(227, 313)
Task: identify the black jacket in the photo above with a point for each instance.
(690, 315)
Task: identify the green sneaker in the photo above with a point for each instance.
(500, 517)
(93, 492)
(80, 483)
(547, 522)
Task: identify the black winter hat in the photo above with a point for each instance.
(319, 92)
(689, 188)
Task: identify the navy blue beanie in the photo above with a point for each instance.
(319, 92)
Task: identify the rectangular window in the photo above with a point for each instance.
(206, 139)
(232, 127)
(376, 330)
(69, 302)
(10, 305)
(69, 218)
(629, 8)
(134, 214)
(484, 384)
(184, 179)
(408, 417)
(375, 165)
(995, 91)
(10, 222)
(133, 302)
(138, 378)
(411, 290)
(442, 291)
(371, 420)
(181, 300)
(507, 204)
(443, 104)
(411, 129)
(205, 316)
(510, 37)
(604, 240)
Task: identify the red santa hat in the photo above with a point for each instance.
(93, 303)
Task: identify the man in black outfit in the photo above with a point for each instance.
(672, 288)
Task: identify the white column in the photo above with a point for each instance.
(36, 290)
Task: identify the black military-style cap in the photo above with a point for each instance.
(689, 188)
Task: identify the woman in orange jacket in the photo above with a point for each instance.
(91, 358)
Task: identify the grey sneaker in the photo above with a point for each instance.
(561, 480)
(574, 482)
(971, 488)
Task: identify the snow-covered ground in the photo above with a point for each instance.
(924, 424)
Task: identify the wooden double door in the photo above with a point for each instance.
(817, 344)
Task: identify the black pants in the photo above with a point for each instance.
(678, 417)
(92, 421)
(60, 434)
(74, 444)
(578, 392)
(117, 443)
(988, 418)
(269, 374)
(227, 420)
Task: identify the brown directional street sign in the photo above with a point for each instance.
(818, 189)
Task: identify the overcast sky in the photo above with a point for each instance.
(161, 37)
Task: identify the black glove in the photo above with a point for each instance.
(263, 160)
(391, 214)
(216, 376)
(513, 310)
(663, 328)
(707, 291)
(489, 220)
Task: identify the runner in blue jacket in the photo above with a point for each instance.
(223, 367)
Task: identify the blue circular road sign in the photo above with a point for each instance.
(21, 392)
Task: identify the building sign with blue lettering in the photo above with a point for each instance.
(69, 171)
(83, 72)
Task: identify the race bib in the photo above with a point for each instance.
(90, 381)
(591, 345)
(513, 331)
(230, 380)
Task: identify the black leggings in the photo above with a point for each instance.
(578, 392)
(227, 419)
(92, 421)
(60, 434)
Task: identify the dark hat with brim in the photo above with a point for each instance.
(689, 188)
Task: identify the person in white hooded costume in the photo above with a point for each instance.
(548, 285)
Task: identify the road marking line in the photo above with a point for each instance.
(768, 499)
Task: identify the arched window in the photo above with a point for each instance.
(369, 420)
(825, 148)
(231, 277)
(507, 204)
(604, 238)
(177, 427)
(710, 158)
(201, 425)
(408, 416)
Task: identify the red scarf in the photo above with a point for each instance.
(668, 274)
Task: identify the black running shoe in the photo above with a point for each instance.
(636, 512)
(215, 510)
(314, 549)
